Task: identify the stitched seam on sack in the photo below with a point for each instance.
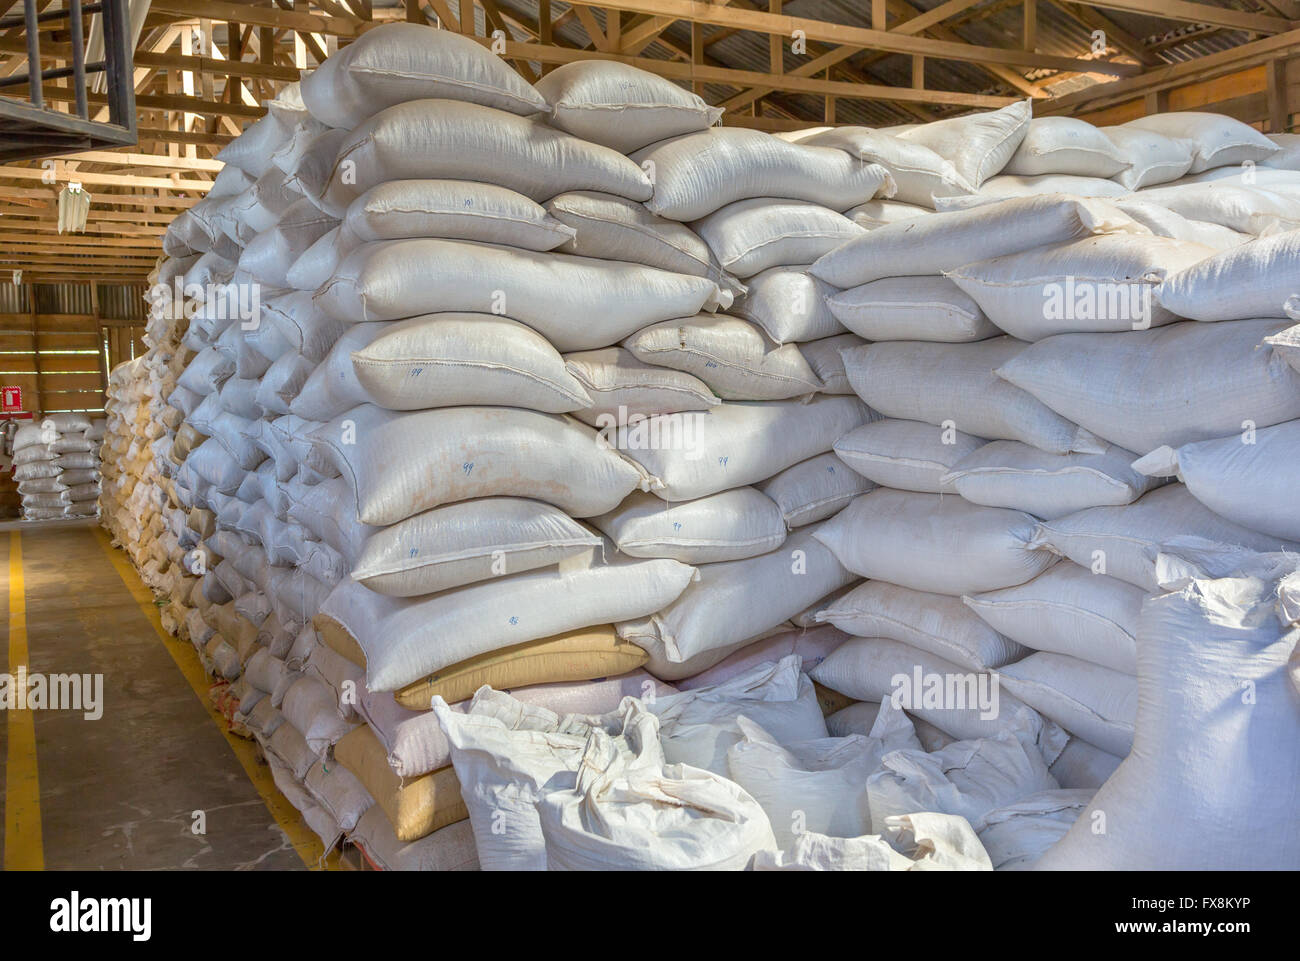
(791, 235)
(443, 78)
(477, 365)
(688, 108)
(592, 386)
(911, 628)
(1051, 605)
(483, 214)
(696, 542)
(643, 231)
(1054, 279)
(470, 553)
(1039, 472)
(856, 309)
(902, 461)
(992, 150)
(696, 352)
(1068, 698)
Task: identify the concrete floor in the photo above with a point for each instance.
(121, 792)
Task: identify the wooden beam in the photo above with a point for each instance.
(588, 21)
(749, 78)
(9, 172)
(124, 158)
(776, 43)
(835, 33)
(1029, 32)
(261, 16)
(816, 65)
(215, 67)
(1092, 19)
(924, 21)
(1187, 12)
(1172, 75)
(1006, 75)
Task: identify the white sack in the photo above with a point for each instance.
(401, 464)
(934, 542)
(1068, 610)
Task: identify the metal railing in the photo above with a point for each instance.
(33, 114)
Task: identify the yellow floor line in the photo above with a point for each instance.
(24, 849)
(303, 839)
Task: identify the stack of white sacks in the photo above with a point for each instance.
(56, 465)
(139, 503)
(540, 392)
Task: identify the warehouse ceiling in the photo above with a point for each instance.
(203, 68)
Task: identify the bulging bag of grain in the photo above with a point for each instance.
(621, 387)
(620, 106)
(451, 359)
(1123, 541)
(736, 443)
(938, 623)
(471, 541)
(1219, 141)
(421, 636)
(452, 210)
(920, 173)
(1007, 473)
(930, 245)
(953, 386)
(911, 308)
(1255, 279)
(1098, 284)
(908, 455)
(577, 303)
(1246, 479)
(396, 463)
(453, 140)
(1216, 669)
(978, 145)
(405, 61)
(1068, 610)
(1064, 145)
(729, 354)
(1172, 385)
(932, 542)
(750, 236)
(1152, 157)
(698, 173)
(735, 600)
(789, 304)
(727, 526)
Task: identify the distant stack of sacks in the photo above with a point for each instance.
(56, 465)
(142, 447)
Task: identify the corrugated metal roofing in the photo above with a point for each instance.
(988, 23)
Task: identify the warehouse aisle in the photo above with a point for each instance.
(128, 789)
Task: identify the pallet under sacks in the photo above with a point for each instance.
(540, 392)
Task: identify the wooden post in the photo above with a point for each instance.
(39, 404)
(1279, 111)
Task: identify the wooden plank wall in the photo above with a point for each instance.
(1267, 96)
(61, 360)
